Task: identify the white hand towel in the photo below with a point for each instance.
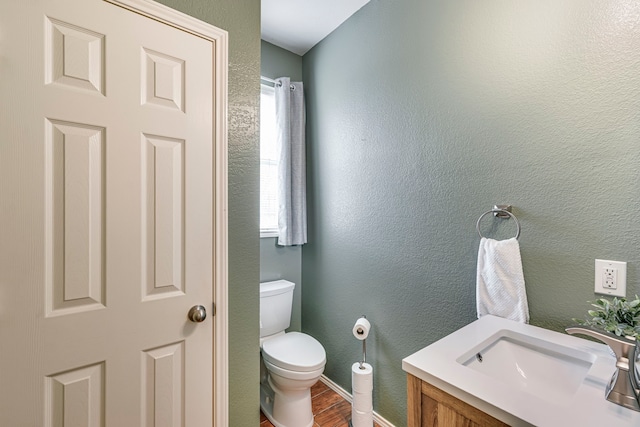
(500, 281)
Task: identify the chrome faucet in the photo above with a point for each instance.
(623, 389)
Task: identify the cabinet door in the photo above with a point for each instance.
(428, 406)
(438, 414)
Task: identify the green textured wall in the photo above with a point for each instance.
(421, 115)
(242, 20)
(282, 262)
(278, 62)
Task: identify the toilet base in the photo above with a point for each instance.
(290, 410)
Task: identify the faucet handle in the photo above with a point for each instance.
(623, 347)
(622, 389)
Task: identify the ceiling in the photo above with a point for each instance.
(298, 25)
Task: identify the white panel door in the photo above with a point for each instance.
(106, 172)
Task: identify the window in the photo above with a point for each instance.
(268, 163)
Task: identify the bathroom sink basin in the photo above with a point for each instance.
(525, 363)
(523, 375)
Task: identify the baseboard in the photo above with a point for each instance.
(349, 398)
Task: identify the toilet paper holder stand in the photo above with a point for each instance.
(364, 350)
(361, 331)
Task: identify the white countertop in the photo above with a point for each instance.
(437, 365)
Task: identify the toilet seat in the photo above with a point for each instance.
(293, 375)
(294, 351)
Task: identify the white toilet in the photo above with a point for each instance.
(290, 363)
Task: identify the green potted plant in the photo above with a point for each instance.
(618, 316)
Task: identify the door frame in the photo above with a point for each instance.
(219, 38)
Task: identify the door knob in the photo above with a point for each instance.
(197, 314)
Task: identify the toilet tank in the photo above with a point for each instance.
(276, 300)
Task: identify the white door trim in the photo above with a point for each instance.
(219, 38)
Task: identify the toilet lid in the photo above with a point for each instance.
(294, 351)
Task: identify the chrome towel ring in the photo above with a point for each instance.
(500, 211)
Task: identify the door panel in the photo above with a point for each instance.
(107, 166)
(76, 397)
(74, 197)
(163, 243)
(163, 376)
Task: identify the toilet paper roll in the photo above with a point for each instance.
(362, 391)
(361, 379)
(361, 328)
(362, 401)
(361, 419)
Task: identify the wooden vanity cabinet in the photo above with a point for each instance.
(428, 406)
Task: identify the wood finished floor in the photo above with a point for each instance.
(328, 407)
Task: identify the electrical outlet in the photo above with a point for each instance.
(611, 278)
